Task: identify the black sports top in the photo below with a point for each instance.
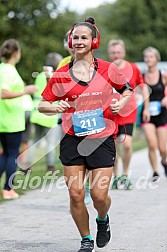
(157, 90)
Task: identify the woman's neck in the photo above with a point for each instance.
(87, 58)
(11, 61)
(152, 69)
(83, 68)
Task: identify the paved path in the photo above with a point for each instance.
(41, 221)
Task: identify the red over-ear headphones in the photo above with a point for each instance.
(95, 42)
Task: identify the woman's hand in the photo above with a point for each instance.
(146, 115)
(30, 89)
(50, 109)
(115, 106)
(164, 102)
(62, 106)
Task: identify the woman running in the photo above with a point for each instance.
(84, 88)
(155, 130)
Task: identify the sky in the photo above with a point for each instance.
(81, 5)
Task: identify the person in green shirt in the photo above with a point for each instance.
(12, 119)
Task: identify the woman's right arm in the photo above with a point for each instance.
(6, 94)
(50, 109)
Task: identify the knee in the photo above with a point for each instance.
(128, 147)
(152, 147)
(98, 199)
(76, 196)
(163, 152)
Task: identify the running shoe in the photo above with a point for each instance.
(9, 194)
(115, 183)
(87, 199)
(86, 246)
(165, 168)
(103, 233)
(125, 183)
(155, 177)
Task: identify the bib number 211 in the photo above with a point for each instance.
(89, 122)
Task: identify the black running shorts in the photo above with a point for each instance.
(93, 153)
(126, 129)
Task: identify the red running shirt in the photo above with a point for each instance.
(82, 96)
(129, 112)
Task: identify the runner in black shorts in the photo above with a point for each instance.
(155, 130)
(84, 88)
(103, 156)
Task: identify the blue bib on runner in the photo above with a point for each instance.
(155, 108)
(89, 122)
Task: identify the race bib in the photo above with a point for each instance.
(155, 108)
(89, 122)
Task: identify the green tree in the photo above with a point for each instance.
(39, 27)
(140, 23)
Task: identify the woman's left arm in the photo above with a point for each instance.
(146, 100)
(118, 105)
(164, 100)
